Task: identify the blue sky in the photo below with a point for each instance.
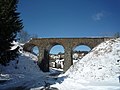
(70, 18)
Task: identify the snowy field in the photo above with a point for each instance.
(98, 70)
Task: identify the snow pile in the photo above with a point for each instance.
(25, 63)
(20, 72)
(98, 70)
(30, 55)
(102, 63)
(17, 44)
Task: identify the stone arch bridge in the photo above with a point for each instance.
(45, 44)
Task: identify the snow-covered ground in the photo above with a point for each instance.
(98, 70)
(22, 73)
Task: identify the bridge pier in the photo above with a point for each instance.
(43, 60)
(67, 59)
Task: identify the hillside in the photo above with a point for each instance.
(98, 70)
(101, 63)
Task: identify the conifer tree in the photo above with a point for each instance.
(10, 25)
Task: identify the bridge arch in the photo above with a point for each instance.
(45, 44)
(50, 46)
(82, 44)
(29, 47)
(56, 54)
(36, 50)
(79, 51)
(57, 46)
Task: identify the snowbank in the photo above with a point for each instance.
(102, 63)
(20, 72)
(98, 70)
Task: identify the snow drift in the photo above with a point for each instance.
(102, 63)
(20, 72)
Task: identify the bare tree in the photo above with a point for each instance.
(117, 35)
(24, 36)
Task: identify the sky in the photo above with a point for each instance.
(70, 18)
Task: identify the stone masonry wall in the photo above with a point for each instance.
(45, 44)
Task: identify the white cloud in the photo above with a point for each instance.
(98, 16)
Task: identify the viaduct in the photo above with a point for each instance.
(45, 45)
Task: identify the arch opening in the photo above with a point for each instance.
(79, 52)
(56, 56)
(35, 50)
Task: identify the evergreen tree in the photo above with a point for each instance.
(10, 25)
